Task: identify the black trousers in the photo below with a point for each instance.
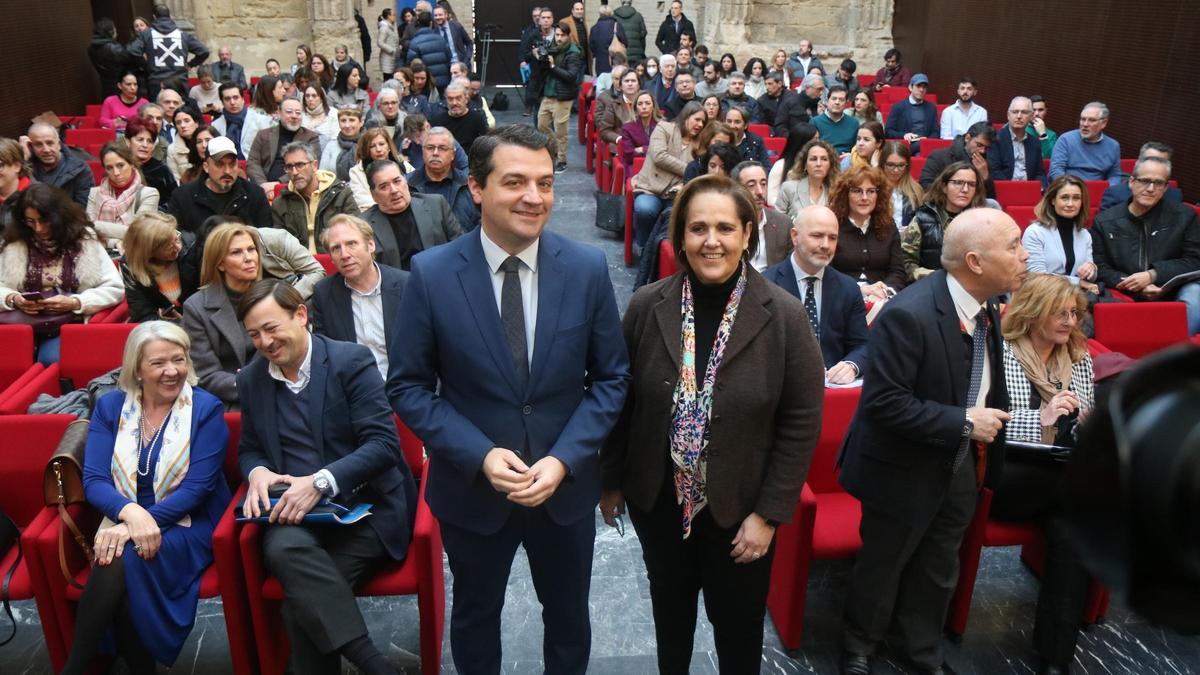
(560, 560)
(1062, 598)
(905, 575)
(735, 594)
(319, 568)
(101, 607)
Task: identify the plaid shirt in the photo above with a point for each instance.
(1026, 424)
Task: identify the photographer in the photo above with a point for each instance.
(556, 72)
(1050, 383)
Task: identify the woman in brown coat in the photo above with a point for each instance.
(718, 428)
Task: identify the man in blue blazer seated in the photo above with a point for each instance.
(315, 419)
(361, 302)
(1003, 160)
(513, 371)
(831, 299)
(914, 118)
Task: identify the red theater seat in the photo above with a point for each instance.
(637, 166)
(1138, 328)
(88, 350)
(666, 260)
(85, 137)
(930, 145)
(1018, 192)
(775, 146)
(1022, 214)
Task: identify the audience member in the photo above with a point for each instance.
(197, 148)
(712, 84)
(560, 71)
(970, 148)
(161, 492)
(869, 243)
(317, 116)
(922, 410)
(634, 25)
(237, 122)
(907, 194)
(837, 128)
(1120, 193)
(1061, 244)
(14, 177)
(673, 26)
(154, 115)
(718, 160)
(410, 27)
(410, 100)
(206, 93)
(774, 228)
(497, 478)
(832, 302)
(1086, 152)
(810, 179)
(713, 132)
(428, 46)
(323, 68)
(801, 107)
(864, 107)
(160, 268)
(802, 62)
(186, 121)
(438, 176)
(389, 42)
(165, 49)
(52, 263)
(265, 164)
(845, 77)
(604, 32)
(736, 96)
(374, 145)
(757, 461)
(123, 105)
(756, 78)
(964, 112)
(663, 85)
(121, 195)
(1045, 134)
(478, 101)
(775, 93)
(340, 154)
(467, 124)
(1016, 154)
(685, 93)
(1045, 351)
(797, 138)
(169, 101)
(614, 107)
(956, 189)
(635, 134)
(749, 145)
(109, 57)
(712, 107)
(361, 302)
(218, 192)
(893, 73)
(333, 440)
(868, 142)
(341, 57)
(913, 118)
(684, 63)
(141, 135)
(225, 70)
(349, 91)
(1142, 245)
(312, 197)
(661, 177)
(779, 65)
(405, 223)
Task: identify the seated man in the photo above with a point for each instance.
(437, 176)
(837, 128)
(773, 99)
(737, 96)
(218, 192)
(800, 108)
(335, 440)
(1017, 153)
(1120, 193)
(893, 73)
(361, 302)
(845, 77)
(972, 148)
(712, 83)
(478, 102)
(264, 165)
(832, 300)
(774, 228)
(312, 197)
(405, 223)
(685, 90)
(1140, 246)
(913, 118)
(964, 112)
(54, 165)
(464, 123)
(1086, 152)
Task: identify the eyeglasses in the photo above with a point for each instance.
(1067, 316)
(292, 168)
(438, 148)
(961, 184)
(864, 192)
(1021, 113)
(1156, 183)
(895, 166)
(1091, 120)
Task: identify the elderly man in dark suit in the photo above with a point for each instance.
(361, 302)
(927, 434)
(405, 223)
(832, 301)
(1016, 153)
(316, 420)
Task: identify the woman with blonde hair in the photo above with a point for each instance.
(809, 180)
(374, 145)
(160, 268)
(121, 195)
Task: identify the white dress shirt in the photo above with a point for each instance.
(967, 307)
(759, 261)
(367, 309)
(955, 121)
(528, 275)
(801, 284)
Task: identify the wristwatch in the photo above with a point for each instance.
(322, 484)
(968, 426)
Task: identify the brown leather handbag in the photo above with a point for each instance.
(62, 484)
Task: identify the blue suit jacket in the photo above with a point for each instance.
(1001, 159)
(353, 428)
(332, 310)
(900, 120)
(843, 314)
(452, 381)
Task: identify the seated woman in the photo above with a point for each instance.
(749, 145)
(896, 161)
(868, 247)
(864, 107)
(153, 467)
(15, 176)
(958, 188)
(318, 116)
(635, 134)
(186, 120)
(422, 83)
(714, 132)
(197, 147)
(709, 477)
(1058, 241)
(614, 109)
(810, 179)
(117, 110)
(374, 145)
(141, 135)
(719, 160)
(121, 196)
(160, 268)
(662, 175)
(1050, 388)
(797, 138)
(52, 263)
(756, 73)
(411, 101)
(346, 92)
(867, 146)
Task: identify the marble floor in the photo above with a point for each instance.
(997, 641)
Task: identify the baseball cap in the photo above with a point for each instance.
(919, 78)
(220, 146)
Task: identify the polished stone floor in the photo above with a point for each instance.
(997, 640)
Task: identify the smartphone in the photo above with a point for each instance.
(36, 296)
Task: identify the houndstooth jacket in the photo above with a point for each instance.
(1026, 424)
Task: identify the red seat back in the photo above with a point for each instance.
(97, 170)
(1022, 214)
(85, 137)
(929, 145)
(1138, 328)
(92, 109)
(774, 146)
(835, 420)
(1018, 192)
(327, 262)
(90, 350)
(29, 441)
(16, 353)
(233, 472)
(666, 260)
(1096, 190)
(1127, 165)
(763, 130)
(916, 165)
(412, 447)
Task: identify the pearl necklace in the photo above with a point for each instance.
(142, 447)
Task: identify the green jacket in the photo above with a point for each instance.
(290, 210)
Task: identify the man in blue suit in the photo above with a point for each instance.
(1017, 154)
(512, 370)
(832, 300)
(315, 419)
(914, 118)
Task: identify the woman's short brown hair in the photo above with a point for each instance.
(216, 245)
(1039, 298)
(839, 197)
(362, 153)
(747, 210)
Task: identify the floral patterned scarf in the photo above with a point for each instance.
(692, 405)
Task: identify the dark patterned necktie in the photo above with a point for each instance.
(979, 349)
(512, 314)
(810, 306)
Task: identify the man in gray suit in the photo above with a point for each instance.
(405, 223)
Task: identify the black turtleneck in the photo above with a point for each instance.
(710, 301)
(1066, 230)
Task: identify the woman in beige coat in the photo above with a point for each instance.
(662, 175)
